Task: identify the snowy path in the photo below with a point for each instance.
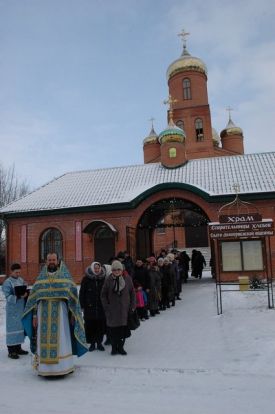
(187, 359)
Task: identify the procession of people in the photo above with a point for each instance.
(61, 322)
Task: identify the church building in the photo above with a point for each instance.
(189, 173)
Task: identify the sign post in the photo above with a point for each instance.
(240, 246)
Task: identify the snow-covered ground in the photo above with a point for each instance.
(186, 360)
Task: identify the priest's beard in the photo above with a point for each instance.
(52, 268)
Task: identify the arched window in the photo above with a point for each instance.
(172, 152)
(199, 129)
(50, 242)
(103, 232)
(180, 124)
(186, 88)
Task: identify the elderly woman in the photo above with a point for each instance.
(154, 291)
(118, 298)
(90, 302)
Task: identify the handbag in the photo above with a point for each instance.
(133, 320)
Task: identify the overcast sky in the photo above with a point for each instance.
(79, 79)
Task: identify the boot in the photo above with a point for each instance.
(12, 349)
(100, 347)
(21, 351)
(107, 341)
(120, 348)
(114, 350)
(13, 355)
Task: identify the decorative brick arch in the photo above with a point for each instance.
(210, 210)
(103, 236)
(51, 241)
(145, 237)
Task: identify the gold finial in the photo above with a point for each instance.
(183, 34)
(152, 121)
(229, 109)
(170, 101)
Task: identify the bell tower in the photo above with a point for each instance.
(189, 133)
(187, 83)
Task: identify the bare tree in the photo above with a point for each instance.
(11, 188)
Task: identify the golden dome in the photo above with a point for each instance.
(152, 137)
(231, 129)
(184, 63)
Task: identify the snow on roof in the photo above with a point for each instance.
(254, 173)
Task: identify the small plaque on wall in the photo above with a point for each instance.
(172, 152)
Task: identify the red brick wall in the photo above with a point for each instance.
(233, 143)
(151, 152)
(166, 160)
(119, 219)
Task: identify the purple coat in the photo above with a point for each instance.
(116, 306)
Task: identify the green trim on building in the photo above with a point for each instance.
(140, 198)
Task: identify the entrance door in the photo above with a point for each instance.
(104, 244)
(144, 243)
(182, 223)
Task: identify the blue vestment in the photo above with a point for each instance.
(14, 311)
(48, 296)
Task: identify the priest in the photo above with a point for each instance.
(52, 320)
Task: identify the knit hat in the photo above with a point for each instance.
(117, 265)
(171, 257)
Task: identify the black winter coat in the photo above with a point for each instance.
(89, 297)
(141, 276)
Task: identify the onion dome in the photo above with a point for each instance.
(215, 138)
(152, 137)
(231, 129)
(184, 63)
(172, 134)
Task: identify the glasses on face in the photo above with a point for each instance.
(116, 270)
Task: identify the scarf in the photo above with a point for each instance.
(90, 273)
(119, 284)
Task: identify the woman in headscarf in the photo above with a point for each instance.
(118, 299)
(90, 302)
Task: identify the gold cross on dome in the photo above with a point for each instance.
(152, 121)
(229, 109)
(170, 101)
(183, 34)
